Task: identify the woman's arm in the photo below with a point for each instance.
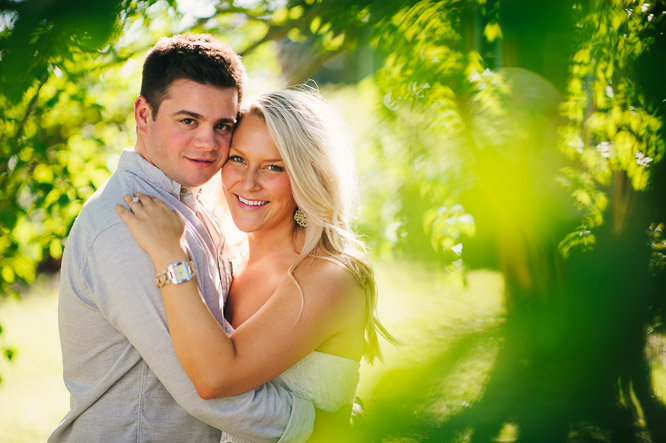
(265, 345)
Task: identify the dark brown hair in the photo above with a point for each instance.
(197, 57)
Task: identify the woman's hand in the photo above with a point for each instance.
(156, 228)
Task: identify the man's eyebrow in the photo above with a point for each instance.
(227, 120)
(199, 116)
(186, 112)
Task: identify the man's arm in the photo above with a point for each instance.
(123, 287)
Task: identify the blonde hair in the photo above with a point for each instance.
(318, 157)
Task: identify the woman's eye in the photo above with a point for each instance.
(236, 159)
(275, 168)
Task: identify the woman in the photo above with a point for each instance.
(302, 301)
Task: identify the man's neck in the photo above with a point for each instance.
(142, 152)
(194, 191)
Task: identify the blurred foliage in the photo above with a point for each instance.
(38, 46)
(556, 180)
(613, 132)
(516, 135)
(66, 112)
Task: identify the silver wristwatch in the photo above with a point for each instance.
(175, 273)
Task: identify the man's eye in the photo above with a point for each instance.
(275, 168)
(188, 121)
(224, 127)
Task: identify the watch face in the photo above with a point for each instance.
(175, 273)
(180, 272)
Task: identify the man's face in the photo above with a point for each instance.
(190, 136)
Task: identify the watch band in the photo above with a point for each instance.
(176, 273)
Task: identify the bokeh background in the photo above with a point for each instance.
(513, 195)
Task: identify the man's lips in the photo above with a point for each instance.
(202, 162)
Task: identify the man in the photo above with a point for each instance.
(125, 381)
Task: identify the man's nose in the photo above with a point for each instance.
(206, 138)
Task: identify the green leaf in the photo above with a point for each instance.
(280, 16)
(315, 24)
(492, 31)
(9, 218)
(8, 274)
(295, 35)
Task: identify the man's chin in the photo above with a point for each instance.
(199, 177)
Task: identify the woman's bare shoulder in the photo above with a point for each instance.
(338, 303)
(328, 278)
(324, 268)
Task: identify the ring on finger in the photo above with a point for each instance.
(134, 200)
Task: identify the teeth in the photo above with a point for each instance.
(251, 202)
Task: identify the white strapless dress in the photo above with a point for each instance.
(327, 380)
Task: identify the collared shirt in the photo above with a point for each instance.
(121, 370)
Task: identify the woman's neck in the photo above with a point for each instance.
(262, 244)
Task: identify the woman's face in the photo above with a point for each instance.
(254, 179)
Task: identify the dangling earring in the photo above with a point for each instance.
(300, 218)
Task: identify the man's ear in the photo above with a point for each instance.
(142, 114)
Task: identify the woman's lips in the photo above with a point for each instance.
(250, 202)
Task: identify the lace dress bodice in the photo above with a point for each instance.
(327, 380)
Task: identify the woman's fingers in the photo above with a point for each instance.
(147, 208)
(139, 201)
(148, 200)
(145, 200)
(156, 228)
(133, 202)
(123, 212)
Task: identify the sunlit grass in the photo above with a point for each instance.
(33, 398)
(427, 310)
(421, 307)
(451, 333)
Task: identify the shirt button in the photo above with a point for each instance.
(183, 191)
(199, 216)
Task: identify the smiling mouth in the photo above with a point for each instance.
(202, 161)
(251, 202)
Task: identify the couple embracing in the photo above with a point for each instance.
(163, 339)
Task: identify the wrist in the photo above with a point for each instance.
(175, 274)
(166, 257)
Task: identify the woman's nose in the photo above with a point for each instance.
(250, 179)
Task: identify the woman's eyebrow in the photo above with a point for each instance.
(269, 160)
